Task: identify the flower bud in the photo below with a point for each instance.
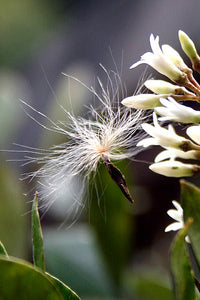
(164, 87)
(173, 168)
(143, 101)
(189, 47)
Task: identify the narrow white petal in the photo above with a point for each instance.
(171, 130)
(163, 156)
(147, 142)
(137, 64)
(177, 206)
(174, 214)
(154, 42)
(173, 227)
(150, 129)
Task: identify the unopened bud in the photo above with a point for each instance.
(164, 87)
(189, 49)
(143, 101)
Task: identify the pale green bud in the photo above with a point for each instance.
(188, 47)
(143, 101)
(164, 87)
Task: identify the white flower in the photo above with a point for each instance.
(174, 111)
(159, 61)
(177, 215)
(108, 134)
(165, 137)
(172, 154)
(142, 101)
(172, 168)
(194, 133)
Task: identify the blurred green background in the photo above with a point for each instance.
(114, 250)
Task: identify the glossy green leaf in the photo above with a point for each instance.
(182, 275)
(20, 280)
(37, 237)
(190, 198)
(3, 250)
(66, 292)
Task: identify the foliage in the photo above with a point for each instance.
(19, 279)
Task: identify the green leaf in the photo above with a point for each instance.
(183, 280)
(190, 199)
(20, 280)
(112, 221)
(37, 237)
(66, 292)
(193, 262)
(3, 250)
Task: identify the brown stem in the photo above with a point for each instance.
(195, 88)
(186, 97)
(193, 80)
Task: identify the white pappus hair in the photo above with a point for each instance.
(110, 131)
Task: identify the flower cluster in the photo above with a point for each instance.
(165, 104)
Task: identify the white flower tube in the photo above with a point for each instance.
(174, 111)
(171, 168)
(160, 62)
